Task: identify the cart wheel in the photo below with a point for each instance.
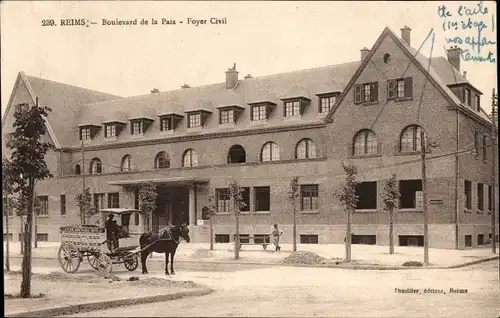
(131, 262)
(69, 257)
(92, 258)
(104, 264)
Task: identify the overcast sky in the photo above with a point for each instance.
(260, 37)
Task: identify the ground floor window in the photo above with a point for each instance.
(42, 237)
(262, 199)
(114, 200)
(410, 194)
(99, 201)
(309, 197)
(480, 197)
(468, 240)
(411, 240)
(221, 238)
(246, 200)
(261, 238)
(367, 195)
(223, 200)
(364, 239)
(244, 238)
(308, 239)
(480, 239)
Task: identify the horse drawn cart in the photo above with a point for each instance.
(90, 241)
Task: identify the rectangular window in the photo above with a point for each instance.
(42, 237)
(292, 108)
(480, 197)
(367, 92)
(400, 88)
(410, 194)
(411, 240)
(137, 127)
(485, 153)
(166, 123)
(221, 238)
(308, 239)
(468, 240)
(400, 93)
(246, 200)
(259, 112)
(113, 200)
(43, 208)
(364, 239)
(467, 97)
(261, 238)
(309, 197)
(85, 133)
(468, 194)
(194, 120)
(490, 198)
(478, 103)
(480, 239)
(99, 201)
(476, 141)
(364, 93)
(367, 195)
(262, 199)
(227, 116)
(63, 204)
(326, 103)
(110, 131)
(223, 200)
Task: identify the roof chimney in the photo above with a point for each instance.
(185, 86)
(364, 53)
(231, 77)
(248, 76)
(406, 34)
(454, 56)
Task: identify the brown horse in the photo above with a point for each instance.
(163, 242)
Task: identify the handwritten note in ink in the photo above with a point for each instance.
(470, 26)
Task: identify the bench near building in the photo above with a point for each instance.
(265, 130)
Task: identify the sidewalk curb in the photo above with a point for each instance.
(341, 266)
(108, 304)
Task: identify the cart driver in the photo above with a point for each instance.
(111, 231)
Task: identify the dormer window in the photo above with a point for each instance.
(229, 114)
(139, 125)
(326, 102)
(261, 111)
(169, 122)
(197, 117)
(294, 107)
(87, 132)
(467, 97)
(113, 129)
(478, 102)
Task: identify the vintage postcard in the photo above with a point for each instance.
(266, 158)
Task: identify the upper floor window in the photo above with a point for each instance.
(295, 106)
(365, 143)
(43, 205)
(166, 124)
(194, 120)
(400, 88)
(326, 103)
(478, 102)
(85, 133)
(292, 108)
(126, 163)
(261, 111)
(190, 158)
(169, 122)
(110, 130)
(226, 116)
(306, 149)
(78, 169)
(137, 127)
(270, 152)
(162, 160)
(197, 118)
(467, 97)
(411, 139)
(366, 93)
(485, 147)
(237, 154)
(95, 166)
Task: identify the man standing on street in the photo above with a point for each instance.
(111, 229)
(275, 235)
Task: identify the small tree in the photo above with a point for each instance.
(210, 210)
(390, 197)
(348, 198)
(27, 167)
(293, 195)
(7, 190)
(236, 194)
(84, 203)
(147, 203)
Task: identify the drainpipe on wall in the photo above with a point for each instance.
(457, 214)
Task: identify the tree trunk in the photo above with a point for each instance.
(237, 238)
(7, 255)
(211, 234)
(21, 234)
(294, 232)
(391, 232)
(348, 238)
(26, 264)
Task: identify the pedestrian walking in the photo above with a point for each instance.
(275, 235)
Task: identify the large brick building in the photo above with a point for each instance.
(263, 131)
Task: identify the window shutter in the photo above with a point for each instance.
(374, 91)
(391, 89)
(409, 87)
(358, 93)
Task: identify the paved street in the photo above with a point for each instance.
(287, 291)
